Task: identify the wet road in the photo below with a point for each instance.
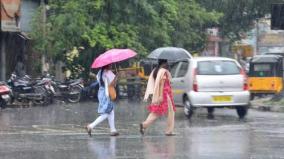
(57, 132)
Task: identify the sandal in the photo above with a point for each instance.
(141, 129)
(114, 134)
(89, 131)
(170, 134)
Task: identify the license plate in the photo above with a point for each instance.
(177, 91)
(222, 98)
(5, 96)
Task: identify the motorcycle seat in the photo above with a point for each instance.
(62, 86)
(27, 88)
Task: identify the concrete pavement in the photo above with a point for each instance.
(56, 131)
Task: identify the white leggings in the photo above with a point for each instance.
(101, 118)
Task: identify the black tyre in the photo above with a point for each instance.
(47, 99)
(2, 104)
(188, 109)
(252, 96)
(210, 111)
(74, 95)
(42, 91)
(242, 111)
(39, 90)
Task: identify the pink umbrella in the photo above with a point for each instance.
(112, 56)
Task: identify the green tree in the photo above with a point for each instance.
(142, 25)
(239, 15)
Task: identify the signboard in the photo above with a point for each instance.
(10, 15)
(271, 39)
(243, 50)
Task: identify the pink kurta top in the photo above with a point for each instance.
(162, 108)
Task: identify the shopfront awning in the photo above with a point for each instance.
(10, 15)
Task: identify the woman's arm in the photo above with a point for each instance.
(150, 87)
(112, 78)
(162, 83)
(115, 80)
(106, 87)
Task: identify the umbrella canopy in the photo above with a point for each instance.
(112, 56)
(169, 53)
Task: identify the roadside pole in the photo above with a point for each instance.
(43, 57)
(257, 37)
(3, 58)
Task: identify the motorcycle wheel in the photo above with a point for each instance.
(74, 94)
(44, 99)
(2, 104)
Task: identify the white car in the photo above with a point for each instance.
(210, 82)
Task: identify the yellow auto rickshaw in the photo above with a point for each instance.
(265, 75)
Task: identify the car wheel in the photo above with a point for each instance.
(242, 111)
(210, 111)
(188, 109)
(252, 95)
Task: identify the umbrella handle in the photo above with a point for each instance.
(115, 69)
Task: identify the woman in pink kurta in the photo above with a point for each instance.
(162, 99)
(162, 108)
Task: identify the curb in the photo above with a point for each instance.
(274, 108)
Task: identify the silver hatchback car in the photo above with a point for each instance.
(210, 82)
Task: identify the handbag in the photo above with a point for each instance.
(112, 91)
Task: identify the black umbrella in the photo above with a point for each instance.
(169, 53)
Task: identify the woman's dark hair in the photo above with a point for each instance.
(101, 75)
(160, 63)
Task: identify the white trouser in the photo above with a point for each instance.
(101, 118)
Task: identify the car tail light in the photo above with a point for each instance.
(245, 85)
(195, 86)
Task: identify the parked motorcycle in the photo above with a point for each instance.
(25, 90)
(70, 90)
(90, 91)
(4, 95)
(44, 86)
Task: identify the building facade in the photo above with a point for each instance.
(213, 43)
(16, 16)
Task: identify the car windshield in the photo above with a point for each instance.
(217, 67)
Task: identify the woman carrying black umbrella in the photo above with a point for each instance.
(162, 99)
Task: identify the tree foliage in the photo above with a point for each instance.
(239, 15)
(142, 25)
